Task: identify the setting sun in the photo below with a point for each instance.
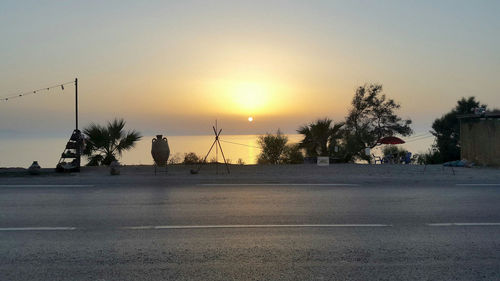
(250, 119)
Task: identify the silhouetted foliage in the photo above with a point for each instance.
(371, 118)
(220, 160)
(320, 137)
(293, 154)
(191, 158)
(395, 151)
(175, 159)
(273, 148)
(447, 129)
(430, 157)
(105, 143)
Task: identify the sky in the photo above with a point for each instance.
(173, 67)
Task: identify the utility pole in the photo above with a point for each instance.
(73, 149)
(76, 102)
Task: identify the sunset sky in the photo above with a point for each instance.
(176, 66)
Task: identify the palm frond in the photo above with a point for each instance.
(128, 142)
(96, 138)
(95, 160)
(103, 142)
(115, 130)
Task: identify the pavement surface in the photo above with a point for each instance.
(136, 227)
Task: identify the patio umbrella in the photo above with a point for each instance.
(390, 140)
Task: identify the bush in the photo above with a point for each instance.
(394, 150)
(293, 154)
(191, 158)
(213, 160)
(431, 157)
(273, 148)
(175, 159)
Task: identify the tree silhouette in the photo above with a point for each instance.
(105, 143)
(274, 148)
(320, 137)
(447, 129)
(371, 118)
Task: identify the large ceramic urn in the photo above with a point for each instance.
(160, 150)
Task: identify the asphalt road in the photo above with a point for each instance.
(250, 232)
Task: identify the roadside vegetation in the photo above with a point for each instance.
(371, 117)
(446, 129)
(105, 144)
(276, 150)
(395, 151)
(321, 137)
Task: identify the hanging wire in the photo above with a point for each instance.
(242, 144)
(418, 135)
(421, 138)
(15, 96)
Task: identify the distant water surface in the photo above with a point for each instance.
(20, 152)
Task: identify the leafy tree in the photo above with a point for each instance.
(105, 143)
(276, 150)
(371, 118)
(447, 129)
(320, 137)
(273, 148)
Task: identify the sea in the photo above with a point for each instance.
(21, 152)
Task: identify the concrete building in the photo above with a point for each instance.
(480, 138)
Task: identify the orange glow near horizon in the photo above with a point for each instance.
(250, 98)
(246, 98)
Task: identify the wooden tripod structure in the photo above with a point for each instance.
(218, 146)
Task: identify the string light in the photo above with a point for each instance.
(14, 96)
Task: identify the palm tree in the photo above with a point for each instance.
(320, 138)
(104, 143)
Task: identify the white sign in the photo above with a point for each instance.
(323, 161)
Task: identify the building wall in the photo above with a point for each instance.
(480, 140)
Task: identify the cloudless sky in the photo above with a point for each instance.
(175, 66)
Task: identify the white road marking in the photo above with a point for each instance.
(278, 184)
(478, 184)
(465, 224)
(148, 227)
(158, 227)
(46, 185)
(36, 228)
